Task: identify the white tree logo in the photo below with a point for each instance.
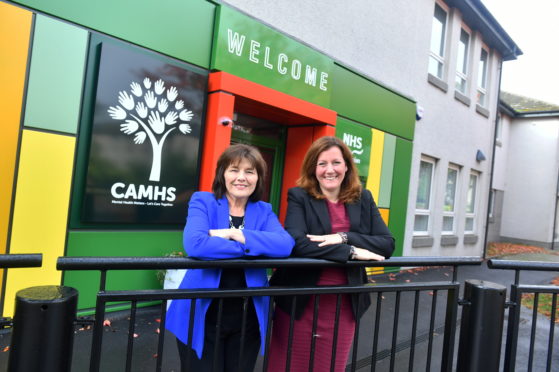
(163, 114)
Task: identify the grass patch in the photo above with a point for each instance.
(545, 302)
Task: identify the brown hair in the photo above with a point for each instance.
(351, 186)
(234, 154)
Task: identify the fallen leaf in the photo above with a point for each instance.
(157, 330)
(7, 348)
(155, 355)
(136, 335)
(158, 320)
(106, 323)
(407, 280)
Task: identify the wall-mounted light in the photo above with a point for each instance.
(418, 112)
(480, 156)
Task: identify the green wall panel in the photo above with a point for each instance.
(362, 100)
(250, 49)
(387, 171)
(56, 76)
(179, 28)
(107, 243)
(400, 187)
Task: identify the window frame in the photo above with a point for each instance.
(473, 213)
(463, 73)
(451, 213)
(439, 56)
(420, 211)
(484, 76)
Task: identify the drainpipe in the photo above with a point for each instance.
(555, 215)
(492, 160)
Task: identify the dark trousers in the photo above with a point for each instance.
(228, 357)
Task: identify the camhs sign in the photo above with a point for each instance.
(145, 139)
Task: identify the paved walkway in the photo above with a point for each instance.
(145, 344)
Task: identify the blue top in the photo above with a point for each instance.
(264, 236)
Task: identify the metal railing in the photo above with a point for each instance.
(384, 339)
(11, 261)
(517, 291)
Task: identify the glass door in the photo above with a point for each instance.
(269, 138)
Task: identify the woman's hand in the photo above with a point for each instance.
(365, 255)
(229, 234)
(325, 239)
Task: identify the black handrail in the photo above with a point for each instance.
(153, 263)
(8, 261)
(522, 265)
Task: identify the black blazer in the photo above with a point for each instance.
(307, 215)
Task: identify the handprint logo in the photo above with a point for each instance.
(151, 113)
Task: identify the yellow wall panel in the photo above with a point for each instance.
(15, 26)
(40, 208)
(375, 163)
(385, 214)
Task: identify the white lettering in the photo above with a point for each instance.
(352, 141)
(310, 75)
(296, 69)
(283, 64)
(131, 192)
(114, 193)
(254, 51)
(142, 192)
(282, 58)
(145, 192)
(235, 42)
(171, 194)
(267, 63)
(159, 193)
(323, 81)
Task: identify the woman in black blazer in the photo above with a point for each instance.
(331, 217)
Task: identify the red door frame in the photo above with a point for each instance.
(309, 122)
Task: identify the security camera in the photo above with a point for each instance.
(225, 121)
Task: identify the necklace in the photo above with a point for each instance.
(232, 225)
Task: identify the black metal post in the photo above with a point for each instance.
(43, 331)
(481, 329)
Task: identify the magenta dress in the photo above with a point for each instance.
(302, 330)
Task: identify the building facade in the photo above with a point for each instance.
(114, 115)
(445, 55)
(524, 191)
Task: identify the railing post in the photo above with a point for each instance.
(43, 329)
(481, 328)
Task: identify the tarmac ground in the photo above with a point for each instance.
(147, 329)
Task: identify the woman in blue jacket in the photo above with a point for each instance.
(229, 223)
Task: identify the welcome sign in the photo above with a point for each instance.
(145, 139)
(253, 51)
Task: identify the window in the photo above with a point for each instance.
(438, 36)
(462, 62)
(450, 200)
(423, 200)
(471, 203)
(499, 128)
(482, 79)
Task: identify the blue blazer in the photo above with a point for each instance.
(264, 236)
